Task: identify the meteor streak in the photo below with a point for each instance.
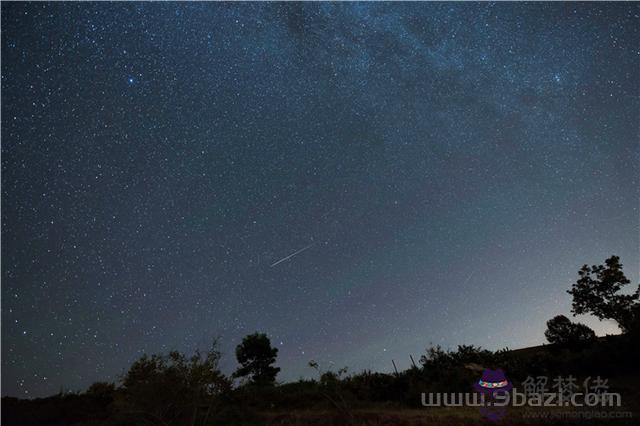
(293, 254)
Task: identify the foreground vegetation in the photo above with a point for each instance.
(175, 389)
(175, 393)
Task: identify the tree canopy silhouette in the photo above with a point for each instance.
(597, 292)
(560, 330)
(256, 357)
(170, 388)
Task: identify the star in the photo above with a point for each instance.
(330, 175)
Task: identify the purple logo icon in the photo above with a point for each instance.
(493, 383)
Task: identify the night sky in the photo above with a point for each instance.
(442, 171)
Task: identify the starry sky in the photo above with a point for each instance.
(443, 170)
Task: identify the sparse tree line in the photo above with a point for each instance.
(175, 389)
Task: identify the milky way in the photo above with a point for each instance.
(454, 164)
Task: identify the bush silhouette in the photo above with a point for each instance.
(172, 388)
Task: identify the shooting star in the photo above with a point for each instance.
(293, 254)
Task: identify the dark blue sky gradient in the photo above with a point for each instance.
(453, 165)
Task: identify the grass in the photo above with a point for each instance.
(462, 416)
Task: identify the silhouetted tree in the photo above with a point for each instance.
(102, 391)
(255, 356)
(597, 292)
(437, 359)
(168, 389)
(560, 330)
